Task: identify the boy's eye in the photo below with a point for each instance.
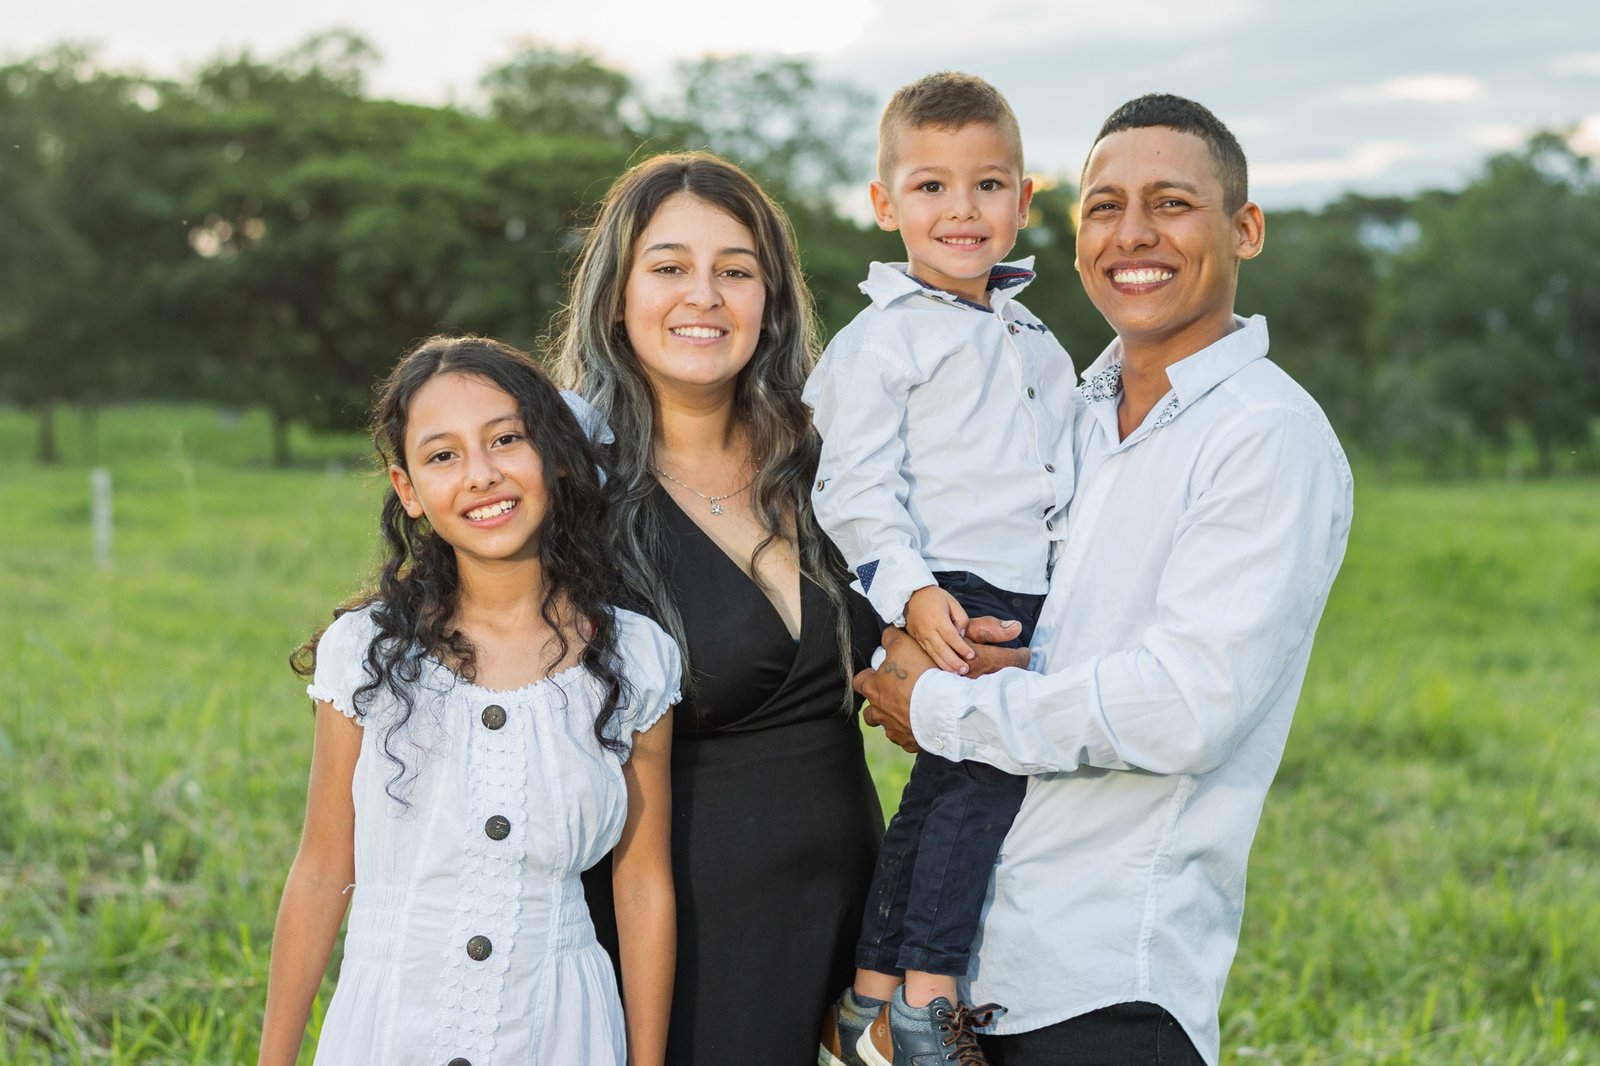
(989, 185)
(931, 186)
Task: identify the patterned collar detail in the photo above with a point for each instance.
(1002, 277)
(1168, 413)
(1102, 386)
(1106, 384)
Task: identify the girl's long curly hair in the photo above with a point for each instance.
(417, 588)
(593, 356)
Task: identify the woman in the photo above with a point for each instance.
(690, 330)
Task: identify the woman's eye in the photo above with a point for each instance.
(441, 456)
(667, 268)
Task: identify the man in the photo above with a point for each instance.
(1211, 513)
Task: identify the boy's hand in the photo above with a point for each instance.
(936, 621)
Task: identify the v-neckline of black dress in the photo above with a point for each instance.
(750, 582)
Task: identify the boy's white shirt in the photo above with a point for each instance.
(946, 437)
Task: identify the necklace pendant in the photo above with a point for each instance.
(716, 508)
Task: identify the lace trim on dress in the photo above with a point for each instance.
(489, 885)
(338, 701)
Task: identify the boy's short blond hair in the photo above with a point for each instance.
(947, 100)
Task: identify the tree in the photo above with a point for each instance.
(1500, 314)
(565, 93)
(86, 217)
(801, 135)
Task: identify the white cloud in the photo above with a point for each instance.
(1368, 160)
(1586, 138)
(1575, 64)
(1416, 88)
(1498, 137)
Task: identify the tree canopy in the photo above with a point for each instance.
(265, 232)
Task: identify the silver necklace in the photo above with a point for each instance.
(714, 501)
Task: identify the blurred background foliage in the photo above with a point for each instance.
(265, 234)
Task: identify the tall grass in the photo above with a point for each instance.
(1425, 887)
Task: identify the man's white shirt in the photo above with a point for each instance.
(1166, 665)
(945, 437)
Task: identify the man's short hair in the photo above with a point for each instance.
(1186, 116)
(947, 100)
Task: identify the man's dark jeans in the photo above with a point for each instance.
(1128, 1034)
(927, 891)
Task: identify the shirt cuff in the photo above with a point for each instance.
(938, 702)
(890, 580)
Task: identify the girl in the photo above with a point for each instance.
(487, 727)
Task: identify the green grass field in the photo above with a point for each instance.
(1425, 887)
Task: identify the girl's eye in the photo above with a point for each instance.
(508, 438)
(737, 272)
(440, 456)
(667, 268)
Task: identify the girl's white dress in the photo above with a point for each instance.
(469, 941)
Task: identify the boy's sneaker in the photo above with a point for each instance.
(951, 1039)
(841, 1030)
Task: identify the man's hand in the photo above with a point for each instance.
(888, 688)
(937, 623)
(984, 633)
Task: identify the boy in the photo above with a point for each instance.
(945, 411)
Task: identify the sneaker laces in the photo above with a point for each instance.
(961, 1025)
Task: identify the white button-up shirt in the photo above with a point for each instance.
(1166, 666)
(945, 437)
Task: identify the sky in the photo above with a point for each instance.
(1364, 96)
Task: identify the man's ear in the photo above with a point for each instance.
(1251, 226)
(405, 490)
(883, 206)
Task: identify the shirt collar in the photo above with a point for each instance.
(1192, 376)
(888, 282)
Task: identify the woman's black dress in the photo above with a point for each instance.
(775, 824)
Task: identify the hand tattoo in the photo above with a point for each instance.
(891, 667)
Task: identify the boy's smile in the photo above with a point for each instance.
(958, 198)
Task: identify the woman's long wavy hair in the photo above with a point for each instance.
(593, 355)
(417, 589)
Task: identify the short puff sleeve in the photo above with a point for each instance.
(653, 668)
(341, 661)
